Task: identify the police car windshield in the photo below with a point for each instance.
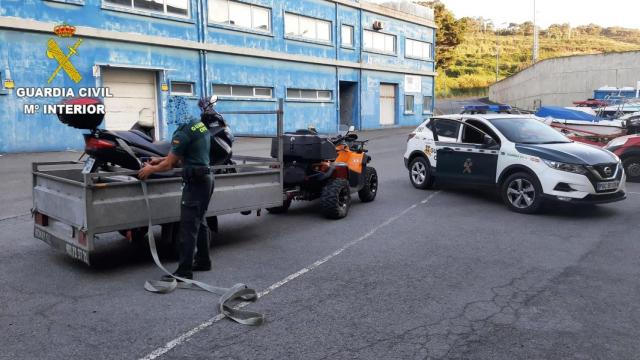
(528, 131)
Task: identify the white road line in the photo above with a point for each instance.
(187, 335)
(14, 216)
(634, 193)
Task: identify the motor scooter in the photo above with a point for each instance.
(129, 149)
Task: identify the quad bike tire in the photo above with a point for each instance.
(336, 199)
(370, 189)
(280, 209)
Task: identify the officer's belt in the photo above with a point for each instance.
(195, 172)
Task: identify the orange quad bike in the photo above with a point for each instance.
(326, 168)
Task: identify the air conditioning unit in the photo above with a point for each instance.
(377, 25)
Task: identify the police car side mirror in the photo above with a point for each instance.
(488, 142)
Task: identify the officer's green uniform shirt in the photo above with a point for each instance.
(192, 142)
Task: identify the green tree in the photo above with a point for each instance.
(449, 35)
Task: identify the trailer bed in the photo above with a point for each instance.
(71, 208)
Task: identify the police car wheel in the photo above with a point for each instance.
(521, 192)
(632, 168)
(420, 173)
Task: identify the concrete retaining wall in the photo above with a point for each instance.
(561, 81)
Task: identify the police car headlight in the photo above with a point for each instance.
(572, 168)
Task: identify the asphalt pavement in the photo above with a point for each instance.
(442, 274)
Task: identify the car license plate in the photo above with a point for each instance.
(610, 185)
(88, 164)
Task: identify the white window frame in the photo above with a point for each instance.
(318, 97)
(252, 8)
(427, 108)
(426, 56)
(254, 88)
(143, 10)
(316, 21)
(353, 34)
(179, 93)
(378, 50)
(413, 103)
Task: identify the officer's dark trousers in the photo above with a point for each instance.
(196, 194)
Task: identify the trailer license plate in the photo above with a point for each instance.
(610, 185)
(88, 164)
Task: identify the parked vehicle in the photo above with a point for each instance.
(105, 147)
(328, 168)
(570, 120)
(628, 149)
(527, 161)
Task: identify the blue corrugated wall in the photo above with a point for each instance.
(23, 56)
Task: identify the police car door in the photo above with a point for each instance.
(471, 159)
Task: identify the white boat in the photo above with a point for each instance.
(579, 122)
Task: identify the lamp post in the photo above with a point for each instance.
(534, 53)
(498, 50)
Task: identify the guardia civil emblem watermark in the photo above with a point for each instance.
(62, 58)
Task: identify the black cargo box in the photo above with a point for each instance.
(304, 147)
(80, 121)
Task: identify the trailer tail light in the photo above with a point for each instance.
(41, 219)
(99, 144)
(82, 238)
(411, 136)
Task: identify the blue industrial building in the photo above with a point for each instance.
(333, 61)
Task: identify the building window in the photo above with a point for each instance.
(166, 7)
(417, 49)
(243, 91)
(427, 105)
(380, 42)
(409, 104)
(306, 27)
(347, 35)
(181, 88)
(304, 94)
(239, 14)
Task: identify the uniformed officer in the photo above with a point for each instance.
(190, 148)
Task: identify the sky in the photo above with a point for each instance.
(624, 13)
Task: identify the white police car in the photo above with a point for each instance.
(527, 160)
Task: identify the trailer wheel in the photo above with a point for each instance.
(136, 235)
(336, 199)
(280, 209)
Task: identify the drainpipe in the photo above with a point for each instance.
(338, 98)
(202, 39)
(361, 36)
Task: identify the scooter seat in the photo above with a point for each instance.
(161, 147)
(142, 135)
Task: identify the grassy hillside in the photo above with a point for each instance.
(473, 67)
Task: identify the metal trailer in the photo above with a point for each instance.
(70, 208)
